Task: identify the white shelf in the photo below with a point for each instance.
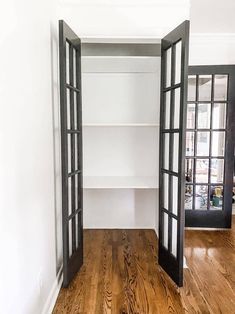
(121, 125)
(118, 182)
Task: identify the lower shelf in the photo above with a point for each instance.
(119, 182)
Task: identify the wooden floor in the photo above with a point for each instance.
(121, 275)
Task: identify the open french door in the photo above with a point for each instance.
(210, 137)
(71, 151)
(174, 77)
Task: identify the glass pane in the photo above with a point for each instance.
(202, 170)
(68, 109)
(191, 87)
(67, 62)
(189, 143)
(167, 109)
(74, 68)
(69, 196)
(78, 187)
(204, 87)
(189, 170)
(70, 238)
(165, 190)
(201, 197)
(175, 195)
(75, 111)
(221, 87)
(217, 170)
(175, 156)
(178, 48)
(174, 237)
(203, 143)
(69, 153)
(168, 67)
(177, 109)
(188, 196)
(166, 150)
(76, 191)
(219, 116)
(204, 115)
(190, 116)
(216, 198)
(165, 230)
(76, 230)
(218, 143)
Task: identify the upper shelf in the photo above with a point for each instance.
(120, 124)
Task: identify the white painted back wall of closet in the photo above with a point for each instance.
(120, 141)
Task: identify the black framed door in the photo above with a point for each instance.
(174, 76)
(210, 140)
(71, 151)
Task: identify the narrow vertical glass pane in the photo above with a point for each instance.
(79, 230)
(216, 198)
(70, 238)
(175, 156)
(67, 62)
(221, 87)
(178, 48)
(165, 190)
(188, 197)
(191, 87)
(217, 170)
(189, 163)
(75, 111)
(174, 237)
(201, 197)
(204, 87)
(78, 187)
(69, 196)
(69, 153)
(68, 109)
(189, 143)
(76, 231)
(166, 150)
(202, 170)
(218, 143)
(190, 116)
(74, 68)
(219, 116)
(165, 230)
(175, 195)
(168, 67)
(167, 109)
(76, 191)
(204, 115)
(203, 143)
(177, 109)
(76, 151)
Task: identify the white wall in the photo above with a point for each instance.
(28, 266)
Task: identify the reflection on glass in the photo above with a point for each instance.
(218, 143)
(167, 110)
(189, 170)
(76, 232)
(217, 170)
(168, 67)
(204, 115)
(189, 143)
(216, 198)
(68, 109)
(202, 170)
(191, 87)
(175, 152)
(204, 87)
(188, 196)
(166, 190)
(75, 111)
(178, 48)
(177, 108)
(67, 62)
(69, 196)
(221, 87)
(174, 237)
(70, 238)
(203, 143)
(166, 151)
(175, 195)
(219, 116)
(74, 68)
(201, 197)
(165, 230)
(69, 153)
(190, 116)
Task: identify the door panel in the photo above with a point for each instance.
(71, 151)
(210, 146)
(174, 74)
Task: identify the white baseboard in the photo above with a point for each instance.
(51, 300)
